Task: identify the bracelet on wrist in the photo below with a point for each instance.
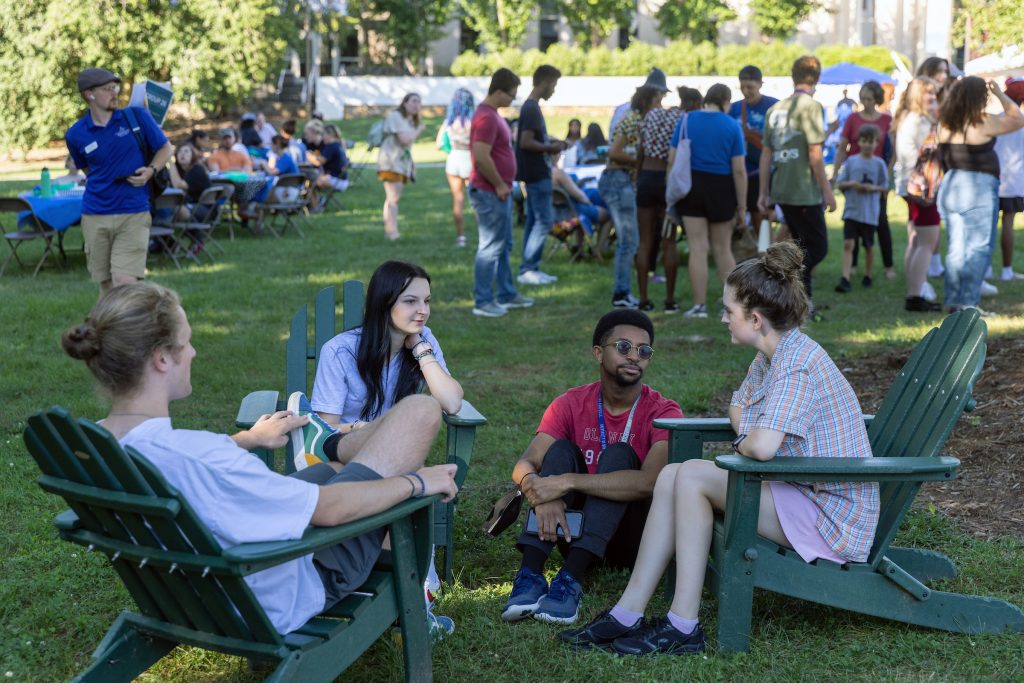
(412, 494)
(525, 476)
(423, 354)
(423, 485)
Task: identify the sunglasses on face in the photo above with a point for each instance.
(643, 351)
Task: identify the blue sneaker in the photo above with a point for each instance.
(527, 590)
(308, 441)
(440, 626)
(562, 603)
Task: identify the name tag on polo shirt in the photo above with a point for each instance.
(91, 147)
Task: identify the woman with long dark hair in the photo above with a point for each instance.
(395, 166)
(460, 163)
(969, 193)
(587, 147)
(365, 371)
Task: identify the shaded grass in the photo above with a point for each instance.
(56, 601)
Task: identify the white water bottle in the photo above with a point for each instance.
(764, 236)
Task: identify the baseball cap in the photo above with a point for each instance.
(225, 132)
(95, 77)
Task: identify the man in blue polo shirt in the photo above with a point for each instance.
(115, 208)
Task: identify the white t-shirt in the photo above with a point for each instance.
(1010, 149)
(241, 501)
(338, 388)
(914, 128)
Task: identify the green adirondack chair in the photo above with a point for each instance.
(299, 372)
(911, 426)
(191, 591)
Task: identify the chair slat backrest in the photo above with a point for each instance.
(165, 555)
(922, 406)
(299, 352)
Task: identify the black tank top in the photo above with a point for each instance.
(963, 157)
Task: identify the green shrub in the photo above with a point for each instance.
(678, 58)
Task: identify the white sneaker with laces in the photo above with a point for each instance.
(533, 277)
(1008, 275)
(697, 311)
(988, 289)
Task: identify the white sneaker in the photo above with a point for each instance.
(547, 276)
(988, 289)
(928, 292)
(533, 277)
(1008, 275)
(935, 268)
(490, 310)
(697, 311)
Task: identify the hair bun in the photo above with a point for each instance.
(81, 341)
(784, 261)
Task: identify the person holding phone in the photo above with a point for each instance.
(596, 452)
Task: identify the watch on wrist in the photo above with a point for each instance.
(737, 442)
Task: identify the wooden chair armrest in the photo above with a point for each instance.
(712, 428)
(468, 416)
(843, 469)
(258, 556)
(254, 405)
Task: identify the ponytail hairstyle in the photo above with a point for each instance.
(121, 333)
(773, 285)
(386, 284)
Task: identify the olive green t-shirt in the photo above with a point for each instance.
(790, 126)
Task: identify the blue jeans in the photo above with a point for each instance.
(617, 190)
(494, 224)
(540, 216)
(969, 204)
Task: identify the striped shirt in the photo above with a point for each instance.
(802, 393)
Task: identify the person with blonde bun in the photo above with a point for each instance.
(794, 402)
(137, 343)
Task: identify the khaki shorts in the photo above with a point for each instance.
(392, 177)
(116, 244)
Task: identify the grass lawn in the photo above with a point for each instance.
(56, 601)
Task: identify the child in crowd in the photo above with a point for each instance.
(862, 178)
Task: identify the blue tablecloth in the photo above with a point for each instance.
(60, 212)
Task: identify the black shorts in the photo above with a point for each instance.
(753, 190)
(344, 567)
(1011, 204)
(650, 190)
(712, 196)
(855, 229)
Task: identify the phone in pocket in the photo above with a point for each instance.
(573, 517)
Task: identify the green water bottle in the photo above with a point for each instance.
(45, 188)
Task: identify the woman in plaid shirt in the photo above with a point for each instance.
(794, 402)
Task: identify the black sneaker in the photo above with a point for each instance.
(660, 637)
(672, 307)
(919, 304)
(646, 306)
(866, 281)
(624, 301)
(599, 633)
(844, 286)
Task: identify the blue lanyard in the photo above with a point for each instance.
(600, 420)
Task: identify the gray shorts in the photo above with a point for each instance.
(344, 567)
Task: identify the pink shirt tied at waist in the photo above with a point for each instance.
(802, 393)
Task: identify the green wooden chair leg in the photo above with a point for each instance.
(287, 670)
(735, 564)
(411, 608)
(923, 565)
(124, 654)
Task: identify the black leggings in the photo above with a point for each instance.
(611, 529)
(807, 226)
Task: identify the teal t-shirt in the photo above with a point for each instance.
(790, 126)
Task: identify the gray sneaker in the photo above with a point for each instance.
(519, 301)
(490, 310)
(698, 311)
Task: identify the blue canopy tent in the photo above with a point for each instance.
(845, 73)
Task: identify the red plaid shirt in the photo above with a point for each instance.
(802, 393)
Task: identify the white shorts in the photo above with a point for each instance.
(339, 184)
(459, 164)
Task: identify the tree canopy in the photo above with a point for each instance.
(697, 20)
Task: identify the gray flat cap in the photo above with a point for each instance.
(95, 77)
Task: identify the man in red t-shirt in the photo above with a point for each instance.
(596, 450)
(490, 193)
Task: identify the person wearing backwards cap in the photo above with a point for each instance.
(115, 207)
(1010, 149)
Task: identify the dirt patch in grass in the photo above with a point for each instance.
(987, 493)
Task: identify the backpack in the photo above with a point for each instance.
(375, 138)
(924, 179)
